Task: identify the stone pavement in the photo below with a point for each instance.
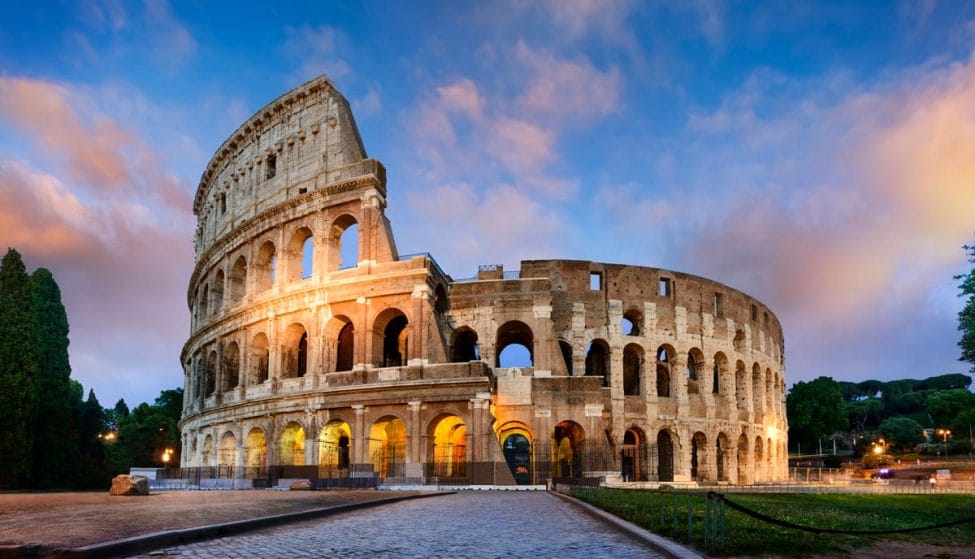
(465, 524)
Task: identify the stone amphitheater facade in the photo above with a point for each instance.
(385, 366)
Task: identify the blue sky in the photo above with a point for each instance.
(819, 156)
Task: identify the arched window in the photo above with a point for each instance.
(260, 357)
(301, 254)
(204, 303)
(694, 370)
(238, 280)
(295, 358)
(211, 373)
(515, 345)
(665, 457)
(345, 348)
(719, 374)
(441, 301)
(343, 243)
(632, 322)
(597, 360)
(632, 369)
(391, 338)
(566, 351)
(231, 366)
(758, 388)
(465, 347)
(266, 262)
(217, 293)
(664, 367)
(741, 385)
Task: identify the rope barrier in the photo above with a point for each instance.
(785, 524)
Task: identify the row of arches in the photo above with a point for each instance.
(666, 374)
(223, 368)
(334, 449)
(297, 261)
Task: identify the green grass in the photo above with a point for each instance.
(749, 537)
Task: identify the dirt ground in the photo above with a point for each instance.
(906, 550)
(67, 520)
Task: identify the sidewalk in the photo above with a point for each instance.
(60, 521)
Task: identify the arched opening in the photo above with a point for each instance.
(334, 449)
(566, 351)
(742, 460)
(758, 394)
(516, 444)
(694, 370)
(597, 360)
(739, 341)
(217, 293)
(634, 455)
(769, 390)
(238, 280)
(231, 366)
(464, 347)
(204, 304)
(391, 338)
(206, 455)
(255, 453)
(228, 450)
(291, 445)
(759, 459)
(343, 243)
(345, 346)
(211, 373)
(665, 457)
(632, 369)
(568, 441)
(448, 448)
(510, 335)
(294, 352)
(699, 457)
(665, 356)
(387, 446)
(301, 255)
(719, 374)
(632, 323)
(722, 455)
(265, 266)
(260, 359)
(769, 459)
(741, 385)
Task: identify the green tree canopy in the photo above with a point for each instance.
(945, 406)
(902, 432)
(18, 393)
(816, 410)
(55, 449)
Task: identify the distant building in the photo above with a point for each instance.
(384, 366)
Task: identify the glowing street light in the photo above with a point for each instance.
(167, 455)
(945, 433)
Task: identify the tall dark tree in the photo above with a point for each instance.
(18, 401)
(55, 451)
(92, 463)
(966, 317)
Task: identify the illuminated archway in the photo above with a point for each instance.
(227, 455)
(568, 441)
(291, 445)
(516, 445)
(387, 446)
(255, 453)
(334, 449)
(448, 449)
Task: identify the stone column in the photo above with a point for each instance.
(414, 437)
(360, 439)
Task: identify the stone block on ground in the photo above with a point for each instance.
(301, 485)
(125, 484)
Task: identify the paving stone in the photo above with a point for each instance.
(470, 524)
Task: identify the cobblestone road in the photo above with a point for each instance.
(467, 524)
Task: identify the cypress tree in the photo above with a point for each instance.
(966, 317)
(55, 452)
(93, 471)
(17, 372)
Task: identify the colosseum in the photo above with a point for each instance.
(315, 345)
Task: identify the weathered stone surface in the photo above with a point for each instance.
(301, 485)
(297, 357)
(125, 484)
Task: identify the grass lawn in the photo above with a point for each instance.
(747, 536)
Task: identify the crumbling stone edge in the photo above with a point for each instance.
(659, 544)
(169, 538)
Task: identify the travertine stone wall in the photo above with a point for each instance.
(295, 357)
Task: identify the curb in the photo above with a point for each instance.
(659, 544)
(169, 538)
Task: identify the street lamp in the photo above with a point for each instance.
(166, 455)
(945, 433)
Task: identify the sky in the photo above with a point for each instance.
(817, 156)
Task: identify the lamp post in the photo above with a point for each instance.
(945, 433)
